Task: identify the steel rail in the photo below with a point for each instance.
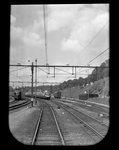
(84, 104)
(86, 115)
(13, 107)
(91, 128)
(40, 120)
(59, 130)
(37, 127)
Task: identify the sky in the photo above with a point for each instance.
(70, 28)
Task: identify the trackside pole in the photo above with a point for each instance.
(31, 102)
(32, 86)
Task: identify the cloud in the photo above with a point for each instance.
(31, 38)
(70, 44)
(29, 35)
(13, 19)
(16, 32)
(84, 31)
(61, 16)
(37, 25)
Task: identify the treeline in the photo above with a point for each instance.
(94, 76)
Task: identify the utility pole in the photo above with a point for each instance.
(88, 84)
(51, 89)
(70, 92)
(87, 93)
(96, 73)
(35, 77)
(32, 85)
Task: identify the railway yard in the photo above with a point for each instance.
(59, 65)
(58, 122)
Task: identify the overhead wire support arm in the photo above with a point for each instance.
(62, 66)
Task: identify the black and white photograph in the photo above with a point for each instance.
(59, 92)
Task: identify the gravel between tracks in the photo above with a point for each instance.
(74, 132)
(90, 113)
(22, 124)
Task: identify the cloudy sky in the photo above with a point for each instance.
(70, 28)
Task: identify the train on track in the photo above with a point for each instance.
(85, 96)
(18, 95)
(57, 94)
(39, 94)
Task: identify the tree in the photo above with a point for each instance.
(94, 76)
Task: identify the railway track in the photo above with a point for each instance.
(16, 106)
(97, 127)
(59, 124)
(48, 131)
(51, 129)
(13, 102)
(91, 107)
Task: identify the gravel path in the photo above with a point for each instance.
(22, 123)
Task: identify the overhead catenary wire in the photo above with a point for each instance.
(102, 59)
(17, 77)
(19, 69)
(96, 57)
(43, 70)
(89, 42)
(66, 71)
(89, 62)
(63, 70)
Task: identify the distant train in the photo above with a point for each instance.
(44, 95)
(85, 96)
(18, 95)
(57, 94)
